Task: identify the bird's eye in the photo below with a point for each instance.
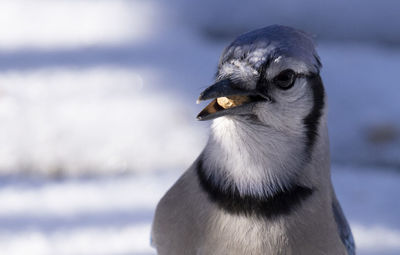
(285, 79)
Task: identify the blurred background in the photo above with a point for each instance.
(97, 113)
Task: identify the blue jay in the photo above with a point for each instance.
(262, 184)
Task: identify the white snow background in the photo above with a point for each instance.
(97, 113)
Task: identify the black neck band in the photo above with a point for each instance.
(281, 203)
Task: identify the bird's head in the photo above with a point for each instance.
(268, 77)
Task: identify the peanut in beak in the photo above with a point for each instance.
(232, 101)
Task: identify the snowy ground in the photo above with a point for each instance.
(113, 215)
(110, 102)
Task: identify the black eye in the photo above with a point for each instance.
(285, 79)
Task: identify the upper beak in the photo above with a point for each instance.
(221, 88)
(226, 88)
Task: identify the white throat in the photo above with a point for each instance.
(255, 159)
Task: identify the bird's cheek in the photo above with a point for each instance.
(262, 112)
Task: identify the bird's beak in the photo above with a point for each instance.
(228, 100)
(221, 88)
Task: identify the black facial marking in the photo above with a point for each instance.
(282, 203)
(311, 121)
(262, 83)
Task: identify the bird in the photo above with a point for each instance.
(262, 184)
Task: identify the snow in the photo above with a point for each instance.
(112, 215)
(70, 24)
(97, 113)
(73, 121)
(79, 216)
(369, 200)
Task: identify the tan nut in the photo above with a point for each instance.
(232, 101)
